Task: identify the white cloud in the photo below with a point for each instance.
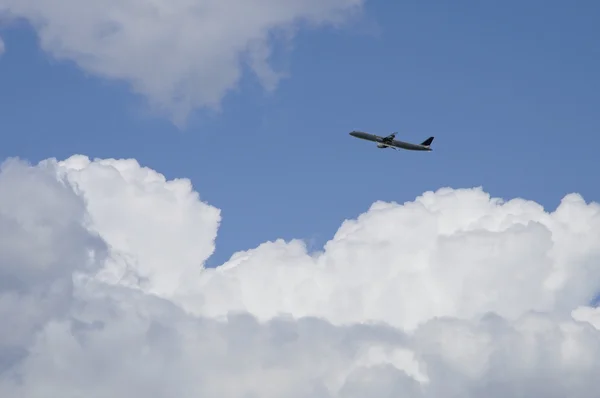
(181, 54)
(148, 222)
(42, 243)
(450, 253)
(480, 297)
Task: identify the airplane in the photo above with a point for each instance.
(391, 142)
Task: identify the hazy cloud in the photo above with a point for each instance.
(180, 54)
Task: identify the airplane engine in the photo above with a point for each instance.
(381, 146)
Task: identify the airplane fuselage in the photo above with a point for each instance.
(391, 143)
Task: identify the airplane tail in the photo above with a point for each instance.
(427, 142)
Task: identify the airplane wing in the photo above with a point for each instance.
(389, 145)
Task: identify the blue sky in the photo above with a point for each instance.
(511, 91)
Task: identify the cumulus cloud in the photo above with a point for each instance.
(454, 294)
(42, 244)
(180, 54)
(147, 221)
(452, 252)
